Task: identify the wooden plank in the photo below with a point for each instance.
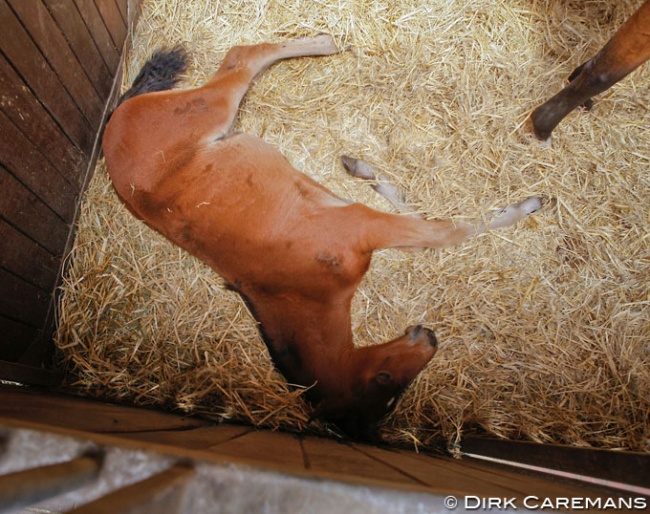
(324, 478)
(521, 484)
(470, 478)
(326, 455)
(26, 314)
(199, 438)
(624, 467)
(21, 51)
(54, 47)
(163, 493)
(32, 169)
(30, 117)
(21, 301)
(87, 415)
(275, 448)
(39, 354)
(113, 20)
(205, 456)
(434, 473)
(25, 211)
(30, 375)
(110, 53)
(15, 337)
(26, 259)
(69, 19)
(124, 10)
(30, 486)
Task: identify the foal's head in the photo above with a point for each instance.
(378, 375)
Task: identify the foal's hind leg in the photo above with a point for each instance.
(408, 232)
(380, 183)
(225, 90)
(383, 230)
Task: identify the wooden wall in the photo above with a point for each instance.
(419, 481)
(57, 68)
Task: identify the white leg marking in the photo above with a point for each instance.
(383, 186)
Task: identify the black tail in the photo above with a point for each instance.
(160, 73)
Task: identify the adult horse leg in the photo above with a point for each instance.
(623, 53)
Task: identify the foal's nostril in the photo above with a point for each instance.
(422, 335)
(433, 341)
(414, 331)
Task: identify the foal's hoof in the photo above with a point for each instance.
(358, 168)
(532, 204)
(520, 209)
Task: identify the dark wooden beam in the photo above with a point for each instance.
(613, 466)
(22, 374)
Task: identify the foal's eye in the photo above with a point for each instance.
(383, 377)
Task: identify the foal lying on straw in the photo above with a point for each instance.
(291, 248)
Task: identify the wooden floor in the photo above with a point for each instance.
(325, 461)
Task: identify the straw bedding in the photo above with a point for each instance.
(544, 328)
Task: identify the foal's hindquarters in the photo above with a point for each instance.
(294, 250)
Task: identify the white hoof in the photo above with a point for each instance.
(532, 204)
